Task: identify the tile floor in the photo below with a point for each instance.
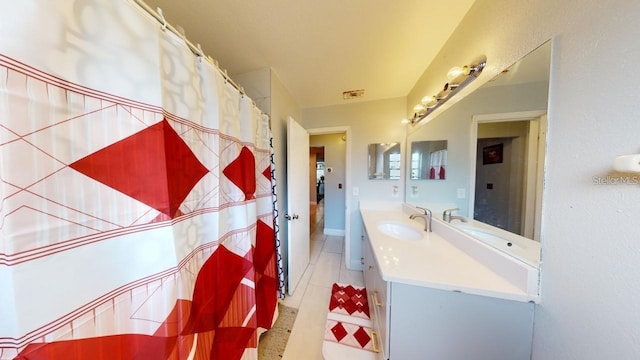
(312, 295)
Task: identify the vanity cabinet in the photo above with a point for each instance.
(418, 322)
(377, 292)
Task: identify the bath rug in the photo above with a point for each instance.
(273, 342)
(348, 332)
(349, 300)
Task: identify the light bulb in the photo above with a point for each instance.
(405, 121)
(454, 72)
(419, 108)
(428, 100)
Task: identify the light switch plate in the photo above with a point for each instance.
(461, 193)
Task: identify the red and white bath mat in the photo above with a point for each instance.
(349, 300)
(348, 330)
(349, 334)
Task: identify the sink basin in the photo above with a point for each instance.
(495, 240)
(400, 230)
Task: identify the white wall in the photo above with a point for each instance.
(282, 106)
(370, 122)
(590, 249)
(257, 84)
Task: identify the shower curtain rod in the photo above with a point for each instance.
(196, 49)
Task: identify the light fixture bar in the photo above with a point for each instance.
(463, 76)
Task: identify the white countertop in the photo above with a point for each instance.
(432, 261)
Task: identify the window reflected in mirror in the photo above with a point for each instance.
(384, 161)
(428, 160)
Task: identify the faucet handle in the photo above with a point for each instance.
(446, 215)
(450, 211)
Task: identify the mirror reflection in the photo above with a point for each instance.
(508, 172)
(428, 160)
(384, 161)
(494, 172)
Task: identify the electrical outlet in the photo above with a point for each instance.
(461, 193)
(356, 191)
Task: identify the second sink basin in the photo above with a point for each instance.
(400, 230)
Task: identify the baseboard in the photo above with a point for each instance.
(334, 232)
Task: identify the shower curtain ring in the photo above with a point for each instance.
(162, 19)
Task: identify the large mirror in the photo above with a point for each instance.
(384, 161)
(428, 160)
(495, 149)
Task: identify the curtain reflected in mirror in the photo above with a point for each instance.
(428, 160)
(384, 161)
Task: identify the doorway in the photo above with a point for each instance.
(336, 204)
(507, 170)
(328, 194)
(500, 179)
(316, 187)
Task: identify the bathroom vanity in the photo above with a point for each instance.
(442, 294)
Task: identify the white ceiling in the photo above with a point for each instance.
(318, 49)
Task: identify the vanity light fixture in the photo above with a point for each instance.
(459, 77)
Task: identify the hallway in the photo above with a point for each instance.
(326, 267)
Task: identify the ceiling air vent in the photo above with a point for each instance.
(353, 94)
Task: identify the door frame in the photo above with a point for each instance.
(348, 183)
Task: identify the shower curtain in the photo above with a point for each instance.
(437, 164)
(136, 199)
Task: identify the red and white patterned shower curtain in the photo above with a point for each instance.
(136, 213)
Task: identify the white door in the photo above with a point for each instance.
(297, 214)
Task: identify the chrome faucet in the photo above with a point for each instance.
(426, 216)
(446, 216)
